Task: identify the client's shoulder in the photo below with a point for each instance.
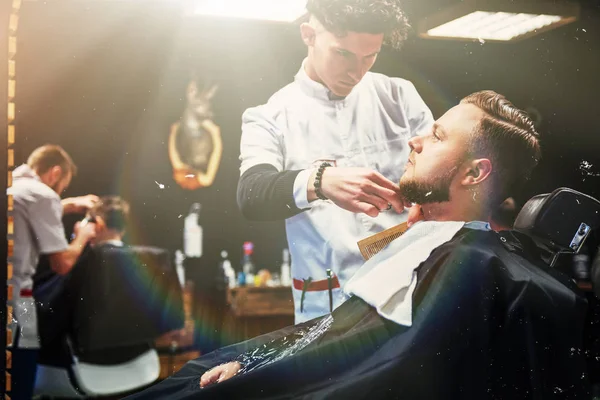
(509, 255)
(474, 242)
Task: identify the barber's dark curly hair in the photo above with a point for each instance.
(365, 16)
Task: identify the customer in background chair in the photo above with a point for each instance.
(110, 277)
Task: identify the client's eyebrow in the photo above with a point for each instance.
(437, 128)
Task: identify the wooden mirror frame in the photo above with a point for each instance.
(9, 12)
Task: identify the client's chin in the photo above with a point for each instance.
(425, 192)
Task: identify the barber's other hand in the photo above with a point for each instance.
(79, 205)
(220, 373)
(86, 232)
(360, 190)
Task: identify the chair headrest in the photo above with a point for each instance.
(556, 218)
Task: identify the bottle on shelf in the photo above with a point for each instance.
(179, 257)
(228, 269)
(286, 275)
(241, 278)
(192, 233)
(247, 265)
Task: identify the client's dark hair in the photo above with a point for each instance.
(508, 137)
(113, 210)
(366, 16)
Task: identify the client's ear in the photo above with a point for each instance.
(100, 224)
(477, 171)
(308, 33)
(56, 173)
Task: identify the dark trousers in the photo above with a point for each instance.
(23, 372)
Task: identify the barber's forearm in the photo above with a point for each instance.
(264, 194)
(62, 263)
(67, 206)
(78, 205)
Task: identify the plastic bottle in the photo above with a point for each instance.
(192, 233)
(286, 275)
(228, 270)
(247, 265)
(241, 278)
(179, 257)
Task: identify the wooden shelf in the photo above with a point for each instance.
(254, 311)
(261, 301)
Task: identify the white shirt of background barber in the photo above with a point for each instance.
(38, 229)
(303, 125)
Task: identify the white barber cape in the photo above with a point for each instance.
(388, 279)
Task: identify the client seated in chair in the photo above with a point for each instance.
(112, 306)
(449, 310)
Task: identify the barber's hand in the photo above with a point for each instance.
(360, 190)
(87, 232)
(79, 205)
(415, 214)
(220, 373)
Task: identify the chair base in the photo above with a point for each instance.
(91, 380)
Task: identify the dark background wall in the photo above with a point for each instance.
(107, 79)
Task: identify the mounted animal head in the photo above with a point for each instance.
(198, 102)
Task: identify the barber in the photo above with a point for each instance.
(326, 152)
(38, 212)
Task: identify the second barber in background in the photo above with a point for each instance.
(38, 212)
(326, 152)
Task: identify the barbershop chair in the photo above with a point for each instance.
(564, 223)
(560, 222)
(121, 299)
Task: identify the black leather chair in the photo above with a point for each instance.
(120, 299)
(564, 223)
(561, 221)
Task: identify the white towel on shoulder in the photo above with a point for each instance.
(387, 280)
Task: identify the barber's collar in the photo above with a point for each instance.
(25, 171)
(318, 90)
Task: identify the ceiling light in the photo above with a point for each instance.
(269, 10)
(496, 22)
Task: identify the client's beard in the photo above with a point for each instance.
(436, 190)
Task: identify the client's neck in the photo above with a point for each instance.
(455, 210)
(109, 236)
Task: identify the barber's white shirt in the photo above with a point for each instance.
(304, 124)
(38, 229)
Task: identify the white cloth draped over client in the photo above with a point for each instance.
(396, 265)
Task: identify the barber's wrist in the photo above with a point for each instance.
(318, 181)
(311, 195)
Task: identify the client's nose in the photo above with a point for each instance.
(415, 144)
